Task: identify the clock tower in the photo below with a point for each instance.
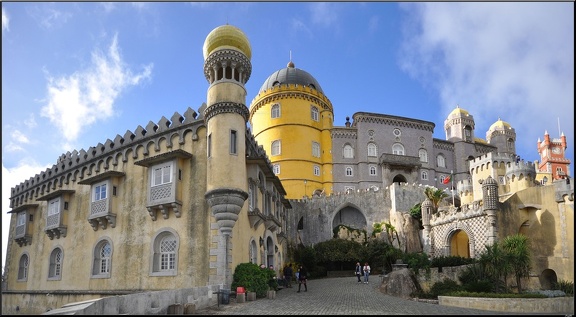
(553, 159)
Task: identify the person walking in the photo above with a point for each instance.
(366, 269)
(358, 271)
(302, 276)
(288, 275)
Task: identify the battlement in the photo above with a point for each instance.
(77, 164)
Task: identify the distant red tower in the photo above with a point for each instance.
(553, 157)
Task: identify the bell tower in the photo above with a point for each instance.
(553, 159)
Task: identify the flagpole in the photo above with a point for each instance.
(452, 188)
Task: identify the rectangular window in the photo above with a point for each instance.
(209, 150)
(99, 192)
(21, 219)
(276, 169)
(276, 111)
(314, 113)
(233, 142)
(162, 174)
(54, 207)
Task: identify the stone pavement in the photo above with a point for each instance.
(337, 296)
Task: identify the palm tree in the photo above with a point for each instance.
(497, 264)
(517, 246)
(435, 195)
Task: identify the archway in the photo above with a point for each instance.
(399, 179)
(547, 279)
(460, 244)
(351, 217)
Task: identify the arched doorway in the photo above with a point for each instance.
(399, 179)
(460, 244)
(351, 217)
(547, 279)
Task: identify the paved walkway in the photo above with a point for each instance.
(337, 296)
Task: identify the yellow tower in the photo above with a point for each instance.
(227, 68)
(292, 119)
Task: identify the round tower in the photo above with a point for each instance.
(490, 205)
(227, 68)
(459, 125)
(503, 136)
(292, 119)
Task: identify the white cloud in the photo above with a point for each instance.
(30, 122)
(5, 21)
(87, 96)
(508, 60)
(108, 6)
(19, 137)
(323, 13)
(10, 178)
(48, 17)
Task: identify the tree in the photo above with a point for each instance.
(496, 262)
(517, 246)
(435, 195)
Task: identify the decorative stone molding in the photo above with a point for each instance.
(226, 107)
(226, 203)
(256, 218)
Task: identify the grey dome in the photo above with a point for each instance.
(291, 75)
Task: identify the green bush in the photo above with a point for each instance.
(445, 287)
(417, 261)
(254, 279)
(452, 260)
(565, 286)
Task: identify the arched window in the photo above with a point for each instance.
(423, 154)
(348, 151)
(440, 161)
(316, 170)
(276, 111)
(372, 151)
(55, 267)
(23, 268)
(315, 149)
(398, 149)
(276, 147)
(314, 113)
(253, 250)
(424, 175)
(165, 254)
(349, 171)
(372, 170)
(102, 259)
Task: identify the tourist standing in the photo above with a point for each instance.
(302, 276)
(358, 271)
(366, 270)
(288, 275)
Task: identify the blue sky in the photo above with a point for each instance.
(75, 74)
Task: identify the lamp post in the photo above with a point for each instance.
(452, 187)
(305, 182)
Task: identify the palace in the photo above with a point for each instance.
(163, 214)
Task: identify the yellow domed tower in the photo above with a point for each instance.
(292, 119)
(227, 68)
(503, 136)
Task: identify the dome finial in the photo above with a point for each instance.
(290, 63)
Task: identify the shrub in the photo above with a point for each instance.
(445, 287)
(254, 279)
(417, 261)
(565, 286)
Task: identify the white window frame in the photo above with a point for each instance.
(440, 160)
(54, 206)
(162, 174)
(23, 265)
(98, 193)
(348, 151)
(276, 168)
(372, 170)
(316, 170)
(372, 150)
(55, 264)
(424, 175)
(315, 149)
(423, 154)
(314, 113)
(276, 147)
(21, 219)
(349, 171)
(275, 111)
(398, 149)
(165, 246)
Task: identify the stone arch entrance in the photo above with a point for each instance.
(349, 215)
(459, 244)
(547, 279)
(399, 179)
